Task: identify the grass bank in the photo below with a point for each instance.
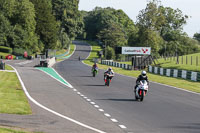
(180, 83)
(72, 48)
(13, 130)
(7, 67)
(12, 97)
(187, 62)
(5, 54)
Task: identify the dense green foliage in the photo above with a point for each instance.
(37, 25)
(18, 23)
(5, 49)
(158, 27)
(161, 28)
(197, 36)
(113, 27)
(69, 18)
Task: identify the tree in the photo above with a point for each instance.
(66, 11)
(101, 18)
(165, 26)
(113, 36)
(197, 36)
(19, 24)
(46, 26)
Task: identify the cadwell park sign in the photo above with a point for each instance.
(136, 50)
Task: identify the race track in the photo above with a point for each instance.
(164, 109)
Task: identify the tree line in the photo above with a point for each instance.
(37, 25)
(158, 27)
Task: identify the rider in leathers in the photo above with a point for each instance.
(142, 76)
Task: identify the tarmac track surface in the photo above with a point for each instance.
(164, 109)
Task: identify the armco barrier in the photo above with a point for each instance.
(194, 76)
(116, 64)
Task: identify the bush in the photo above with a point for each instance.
(20, 51)
(5, 49)
(110, 53)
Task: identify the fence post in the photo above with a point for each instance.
(186, 60)
(182, 60)
(196, 60)
(177, 61)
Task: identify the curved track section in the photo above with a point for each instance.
(164, 109)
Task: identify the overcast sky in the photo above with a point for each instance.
(132, 8)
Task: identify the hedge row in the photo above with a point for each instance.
(20, 52)
(5, 49)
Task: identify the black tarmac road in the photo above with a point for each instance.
(164, 110)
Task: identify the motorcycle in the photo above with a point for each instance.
(141, 90)
(94, 71)
(107, 79)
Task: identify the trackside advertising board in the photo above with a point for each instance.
(136, 50)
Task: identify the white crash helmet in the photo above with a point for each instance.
(144, 74)
(109, 69)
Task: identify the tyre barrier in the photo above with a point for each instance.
(116, 64)
(190, 75)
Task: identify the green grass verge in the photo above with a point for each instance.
(14, 130)
(12, 97)
(61, 51)
(171, 63)
(8, 67)
(5, 54)
(176, 82)
(72, 47)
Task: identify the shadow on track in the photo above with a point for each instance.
(94, 85)
(119, 100)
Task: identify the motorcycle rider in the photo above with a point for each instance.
(142, 76)
(94, 66)
(110, 72)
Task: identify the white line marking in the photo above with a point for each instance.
(85, 97)
(96, 106)
(63, 78)
(69, 85)
(122, 126)
(82, 95)
(107, 115)
(113, 120)
(88, 100)
(11, 71)
(58, 114)
(75, 89)
(79, 93)
(92, 103)
(101, 110)
(24, 62)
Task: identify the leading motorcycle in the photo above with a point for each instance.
(141, 90)
(94, 71)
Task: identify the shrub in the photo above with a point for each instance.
(5, 49)
(20, 51)
(110, 53)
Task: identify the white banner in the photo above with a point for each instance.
(136, 50)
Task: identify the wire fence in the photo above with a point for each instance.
(185, 60)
